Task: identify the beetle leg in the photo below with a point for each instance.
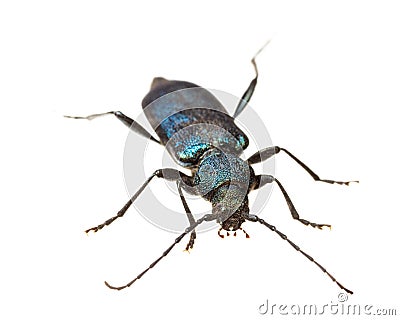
(263, 155)
(267, 153)
(250, 90)
(130, 123)
(262, 180)
(189, 215)
(167, 173)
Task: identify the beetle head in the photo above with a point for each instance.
(231, 205)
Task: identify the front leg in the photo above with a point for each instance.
(189, 215)
(263, 179)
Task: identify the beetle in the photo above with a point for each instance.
(184, 116)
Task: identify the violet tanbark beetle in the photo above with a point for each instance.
(186, 118)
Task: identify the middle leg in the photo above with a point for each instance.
(166, 173)
(268, 152)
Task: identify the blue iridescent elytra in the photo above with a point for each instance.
(189, 120)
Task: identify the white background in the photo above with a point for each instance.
(328, 92)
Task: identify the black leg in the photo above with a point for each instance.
(250, 90)
(189, 215)
(207, 217)
(130, 123)
(267, 153)
(169, 174)
(254, 218)
(262, 180)
(263, 155)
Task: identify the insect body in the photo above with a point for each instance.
(200, 135)
(205, 140)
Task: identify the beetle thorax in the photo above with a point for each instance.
(223, 179)
(217, 168)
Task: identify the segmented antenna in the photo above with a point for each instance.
(255, 218)
(207, 217)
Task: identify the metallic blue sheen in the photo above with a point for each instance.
(191, 151)
(170, 124)
(190, 120)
